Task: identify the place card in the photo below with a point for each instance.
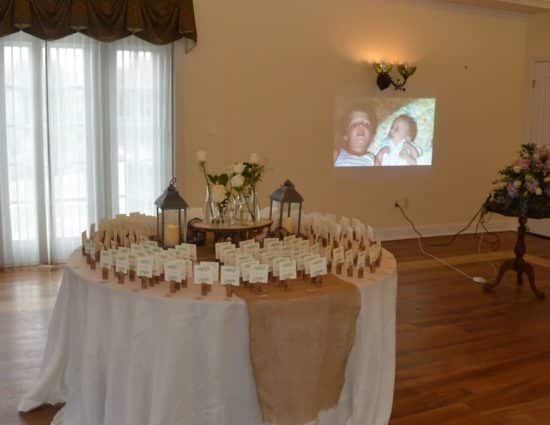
(174, 271)
(361, 259)
(271, 242)
(360, 230)
(370, 234)
(225, 251)
(105, 260)
(337, 232)
(230, 275)
(307, 260)
(349, 233)
(218, 248)
(287, 270)
(243, 258)
(318, 267)
(158, 266)
(300, 265)
(267, 259)
(188, 269)
(122, 263)
(214, 269)
(245, 269)
(275, 265)
(338, 255)
(248, 242)
(258, 273)
(189, 250)
(145, 267)
(90, 247)
(252, 250)
(348, 257)
(203, 274)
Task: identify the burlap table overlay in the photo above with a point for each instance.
(300, 340)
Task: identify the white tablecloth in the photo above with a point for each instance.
(121, 356)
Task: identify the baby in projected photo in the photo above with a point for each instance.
(359, 134)
(398, 148)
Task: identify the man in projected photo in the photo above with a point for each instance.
(359, 130)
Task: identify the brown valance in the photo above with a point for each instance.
(156, 21)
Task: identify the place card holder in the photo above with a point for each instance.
(173, 286)
(312, 237)
(228, 291)
(204, 289)
(120, 277)
(144, 284)
(283, 284)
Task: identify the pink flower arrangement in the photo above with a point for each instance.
(525, 184)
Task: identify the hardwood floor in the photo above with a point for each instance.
(463, 357)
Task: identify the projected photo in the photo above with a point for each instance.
(384, 132)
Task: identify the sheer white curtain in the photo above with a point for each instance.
(85, 133)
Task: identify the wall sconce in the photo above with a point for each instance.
(384, 79)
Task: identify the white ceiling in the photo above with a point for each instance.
(530, 6)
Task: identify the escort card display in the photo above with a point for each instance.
(342, 246)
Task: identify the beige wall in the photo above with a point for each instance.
(538, 49)
(538, 45)
(265, 75)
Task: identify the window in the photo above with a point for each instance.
(85, 133)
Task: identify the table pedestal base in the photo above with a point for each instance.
(518, 264)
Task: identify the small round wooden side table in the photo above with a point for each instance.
(236, 232)
(517, 264)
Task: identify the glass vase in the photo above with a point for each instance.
(211, 210)
(255, 206)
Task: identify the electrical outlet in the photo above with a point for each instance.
(403, 202)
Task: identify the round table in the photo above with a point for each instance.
(119, 355)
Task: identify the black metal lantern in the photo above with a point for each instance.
(289, 202)
(171, 234)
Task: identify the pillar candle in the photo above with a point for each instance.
(288, 224)
(171, 235)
